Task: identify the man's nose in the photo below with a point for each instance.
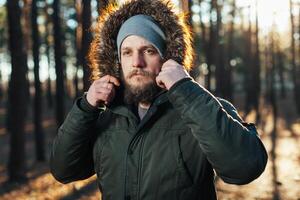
(138, 60)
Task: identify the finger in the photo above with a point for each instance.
(168, 66)
(102, 97)
(109, 86)
(105, 78)
(111, 79)
(100, 82)
(114, 80)
(109, 97)
(106, 85)
(162, 73)
(100, 86)
(161, 85)
(103, 90)
(159, 82)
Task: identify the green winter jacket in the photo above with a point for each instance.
(171, 154)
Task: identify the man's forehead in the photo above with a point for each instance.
(135, 41)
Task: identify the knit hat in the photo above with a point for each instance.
(146, 27)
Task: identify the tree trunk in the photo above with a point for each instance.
(220, 70)
(203, 32)
(297, 81)
(47, 44)
(248, 85)
(273, 98)
(211, 47)
(255, 90)
(1, 88)
(86, 41)
(38, 129)
(17, 95)
(230, 48)
(293, 61)
(26, 23)
(186, 8)
(281, 74)
(267, 64)
(78, 7)
(59, 64)
(2, 46)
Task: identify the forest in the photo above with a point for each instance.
(246, 51)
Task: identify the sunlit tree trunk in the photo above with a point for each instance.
(26, 23)
(86, 40)
(78, 7)
(267, 68)
(17, 95)
(273, 99)
(59, 64)
(186, 8)
(297, 75)
(38, 129)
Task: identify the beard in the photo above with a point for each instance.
(141, 92)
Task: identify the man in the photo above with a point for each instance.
(145, 127)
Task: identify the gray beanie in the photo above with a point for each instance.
(146, 27)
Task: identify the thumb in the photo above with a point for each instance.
(160, 82)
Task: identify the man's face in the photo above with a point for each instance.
(141, 63)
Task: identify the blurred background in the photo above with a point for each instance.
(247, 51)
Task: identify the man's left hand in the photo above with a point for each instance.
(171, 72)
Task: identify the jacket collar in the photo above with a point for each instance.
(119, 107)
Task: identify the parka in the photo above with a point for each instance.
(186, 137)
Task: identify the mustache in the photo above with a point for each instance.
(141, 72)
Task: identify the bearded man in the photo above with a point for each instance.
(145, 127)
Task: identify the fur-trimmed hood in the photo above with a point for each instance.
(103, 56)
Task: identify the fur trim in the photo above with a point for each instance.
(103, 56)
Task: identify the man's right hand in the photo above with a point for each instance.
(102, 91)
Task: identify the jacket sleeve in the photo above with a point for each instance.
(71, 156)
(232, 147)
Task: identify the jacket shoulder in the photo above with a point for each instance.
(230, 109)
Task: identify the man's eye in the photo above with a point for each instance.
(150, 51)
(126, 53)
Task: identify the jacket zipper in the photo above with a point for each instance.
(130, 151)
(140, 165)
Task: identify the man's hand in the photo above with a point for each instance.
(171, 72)
(102, 90)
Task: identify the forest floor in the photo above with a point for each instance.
(280, 181)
